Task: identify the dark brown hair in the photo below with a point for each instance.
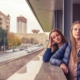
(63, 38)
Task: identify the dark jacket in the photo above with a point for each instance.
(66, 59)
(56, 59)
(47, 55)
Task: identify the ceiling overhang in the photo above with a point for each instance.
(44, 11)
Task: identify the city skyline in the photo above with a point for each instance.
(16, 8)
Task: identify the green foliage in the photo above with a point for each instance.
(3, 37)
(32, 40)
(13, 40)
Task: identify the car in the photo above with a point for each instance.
(15, 50)
(29, 50)
(22, 48)
(26, 49)
(10, 50)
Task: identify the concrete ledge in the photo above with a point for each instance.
(36, 69)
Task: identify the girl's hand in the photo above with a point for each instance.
(64, 68)
(51, 42)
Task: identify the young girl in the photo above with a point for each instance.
(71, 60)
(56, 40)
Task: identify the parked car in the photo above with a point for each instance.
(29, 50)
(21, 48)
(8, 51)
(15, 50)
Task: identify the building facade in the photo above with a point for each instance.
(5, 21)
(41, 37)
(21, 25)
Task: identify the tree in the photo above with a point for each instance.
(3, 37)
(32, 41)
(13, 40)
(18, 40)
(23, 40)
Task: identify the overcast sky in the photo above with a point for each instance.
(16, 8)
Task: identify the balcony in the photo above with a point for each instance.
(0, 22)
(0, 18)
(7, 24)
(7, 21)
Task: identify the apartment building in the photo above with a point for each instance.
(5, 21)
(21, 25)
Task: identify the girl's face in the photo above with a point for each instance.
(76, 31)
(56, 37)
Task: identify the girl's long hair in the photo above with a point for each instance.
(53, 48)
(73, 43)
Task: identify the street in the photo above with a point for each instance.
(13, 55)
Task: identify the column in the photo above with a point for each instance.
(67, 17)
(58, 19)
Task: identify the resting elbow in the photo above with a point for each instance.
(52, 61)
(45, 60)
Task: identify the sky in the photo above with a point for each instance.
(15, 8)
